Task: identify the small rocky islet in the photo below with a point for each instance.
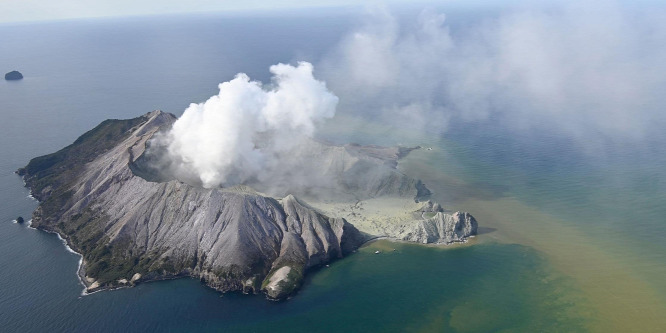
(13, 76)
(102, 197)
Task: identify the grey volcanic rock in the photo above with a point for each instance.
(132, 222)
(441, 228)
(13, 75)
(431, 207)
(129, 229)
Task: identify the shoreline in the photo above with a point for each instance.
(81, 275)
(70, 250)
(469, 239)
(64, 241)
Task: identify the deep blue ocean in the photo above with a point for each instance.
(570, 241)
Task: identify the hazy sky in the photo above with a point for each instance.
(39, 10)
(36, 10)
(592, 70)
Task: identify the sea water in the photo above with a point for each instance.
(565, 244)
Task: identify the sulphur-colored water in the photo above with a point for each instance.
(622, 289)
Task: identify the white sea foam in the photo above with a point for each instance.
(84, 292)
(69, 249)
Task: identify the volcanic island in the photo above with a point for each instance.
(131, 224)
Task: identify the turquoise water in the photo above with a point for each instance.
(514, 277)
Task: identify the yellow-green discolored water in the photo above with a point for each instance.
(615, 287)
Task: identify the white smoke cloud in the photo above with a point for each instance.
(237, 135)
(589, 70)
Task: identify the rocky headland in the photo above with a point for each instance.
(131, 224)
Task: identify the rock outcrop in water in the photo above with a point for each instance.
(441, 228)
(13, 75)
(131, 225)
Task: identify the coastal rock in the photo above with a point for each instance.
(430, 207)
(278, 283)
(93, 286)
(13, 75)
(441, 228)
(20, 220)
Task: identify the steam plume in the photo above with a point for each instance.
(237, 135)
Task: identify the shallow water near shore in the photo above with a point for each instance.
(564, 246)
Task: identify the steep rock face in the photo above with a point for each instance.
(441, 228)
(129, 229)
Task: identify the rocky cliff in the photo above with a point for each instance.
(441, 228)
